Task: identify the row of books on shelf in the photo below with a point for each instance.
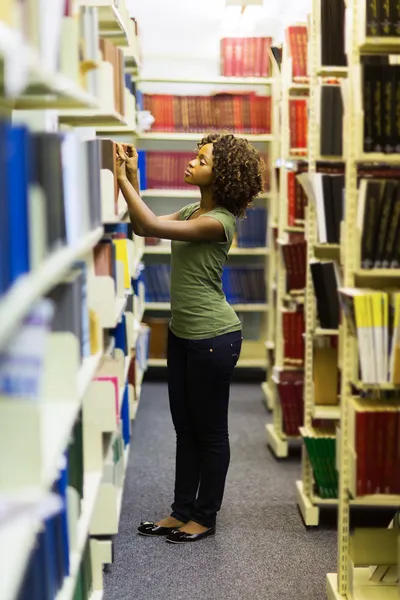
(38, 198)
(245, 284)
(380, 101)
(165, 170)
(378, 223)
(115, 56)
(244, 112)
(326, 191)
(251, 232)
(374, 443)
(293, 331)
(321, 450)
(374, 317)
(298, 124)
(245, 56)
(381, 19)
(290, 393)
(294, 256)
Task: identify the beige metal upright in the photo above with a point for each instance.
(277, 440)
(268, 385)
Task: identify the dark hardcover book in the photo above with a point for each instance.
(327, 309)
(277, 54)
(377, 112)
(369, 73)
(326, 138)
(329, 209)
(373, 18)
(386, 212)
(47, 173)
(388, 108)
(333, 33)
(330, 284)
(392, 244)
(337, 134)
(372, 202)
(395, 17)
(386, 17)
(396, 108)
(338, 185)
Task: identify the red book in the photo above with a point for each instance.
(381, 429)
(258, 61)
(247, 57)
(396, 475)
(389, 452)
(229, 58)
(292, 124)
(361, 452)
(268, 108)
(291, 178)
(240, 57)
(265, 62)
(222, 46)
(371, 450)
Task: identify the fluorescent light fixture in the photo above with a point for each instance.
(244, 2)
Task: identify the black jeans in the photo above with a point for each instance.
(199, 376)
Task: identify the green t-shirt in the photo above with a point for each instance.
(198, 304)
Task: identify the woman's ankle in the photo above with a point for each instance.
(170, 522)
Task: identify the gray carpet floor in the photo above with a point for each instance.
(261, 551)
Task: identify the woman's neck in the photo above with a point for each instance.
(207, 202)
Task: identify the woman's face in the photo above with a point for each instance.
(199, 170)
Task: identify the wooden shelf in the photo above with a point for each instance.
(377, 277)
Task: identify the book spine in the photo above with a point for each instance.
(373, 18)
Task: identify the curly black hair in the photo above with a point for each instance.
(238, 171)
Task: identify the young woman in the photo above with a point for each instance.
(205, 336)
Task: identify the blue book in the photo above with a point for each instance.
(17, 184)
(139, 100)
(142, 169)
(119, 332)
(62, 486)
(125, 416)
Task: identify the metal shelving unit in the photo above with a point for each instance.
(353, 578)
(307, 501)
(277, 440)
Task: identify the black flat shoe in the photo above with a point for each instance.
(148, 528)
(180, 537)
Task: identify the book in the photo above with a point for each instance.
(333, 33)
(294, 256)
(298, 125)
(321, 450)
(296, 39)
(325, 374)
(293, 327)
(326, 292)
(115, 57)
(331, 119)
(158, 336)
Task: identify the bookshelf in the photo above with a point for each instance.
(92, 356)
(317, 338)
(284, 372)
(167, 200)
(368, 557)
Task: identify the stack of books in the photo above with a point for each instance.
(252, 230)
(321, 449)
(290, 390)
(294, 256)
(298, 124)
(62, 168)
(237, 112)
(293, 331)
(297, 40)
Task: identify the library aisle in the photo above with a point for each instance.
(261, 547)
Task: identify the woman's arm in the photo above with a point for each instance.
(168, 227)
(145, 221)
(133, 180)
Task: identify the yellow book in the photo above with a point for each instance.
(378, 304)
(364, 325)
(95, 332)
(121, 247)
(395, 345)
